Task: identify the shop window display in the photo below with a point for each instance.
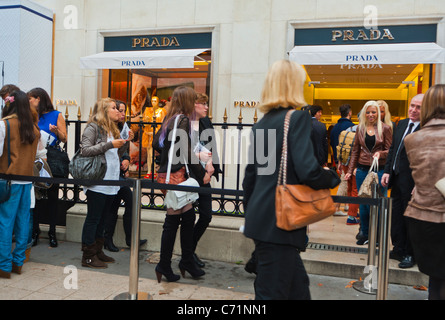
(148, 92)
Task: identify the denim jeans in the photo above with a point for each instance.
(14, 218)
(364, 209)
(97, 206)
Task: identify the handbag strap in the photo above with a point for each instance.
(282, 173)
(374, 165)
(9, 141)
(170, 152)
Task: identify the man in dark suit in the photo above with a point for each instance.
(319, 135)
(397, 176)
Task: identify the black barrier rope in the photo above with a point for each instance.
(155, 185)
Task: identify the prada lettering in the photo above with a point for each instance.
(362, 34)
(361, 66)
(67, 102)
(361, 58)
(133, 63)
(245, 104)
(149, 42)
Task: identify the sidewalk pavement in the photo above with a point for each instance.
(57, 274)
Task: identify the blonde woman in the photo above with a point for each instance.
(373, 140)
(385, 115)
(280, 270)
(101, 137)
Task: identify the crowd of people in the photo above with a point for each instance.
(409, 156)
(34, 126)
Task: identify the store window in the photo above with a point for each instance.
(333, 85)
(354, 64)
(143, 73)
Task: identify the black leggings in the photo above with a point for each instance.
(126, 195)
(205, 216)
(170, 228)
(50, 206)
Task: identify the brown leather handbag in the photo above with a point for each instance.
(297, 206)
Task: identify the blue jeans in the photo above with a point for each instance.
(364, 209)
(14, 218)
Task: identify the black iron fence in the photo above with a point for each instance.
(224, 202)
(379, 227)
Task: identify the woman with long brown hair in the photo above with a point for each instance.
(17, 130)
(182, 106)
(53, 124)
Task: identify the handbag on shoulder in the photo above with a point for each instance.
(175, 199)
(5, 185)
(57, 159)
(92, 168)
(365, 190)
(297, 205)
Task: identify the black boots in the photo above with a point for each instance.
(51, 235)
(52, 239)
(109, 244)
(171, 224)
(167, 272)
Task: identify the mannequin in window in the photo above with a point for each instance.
(147, 134)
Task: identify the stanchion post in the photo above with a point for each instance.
(134, 250)
(383, 267)
(373, 226)
(368, 285)
(133, 293)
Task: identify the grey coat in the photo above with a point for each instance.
(94, 142)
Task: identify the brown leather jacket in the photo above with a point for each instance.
(362, 155)
(426, 149)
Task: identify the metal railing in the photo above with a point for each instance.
(376, 283)
(222, 202)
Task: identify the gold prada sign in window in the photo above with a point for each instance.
(147, 42)
(362, 34)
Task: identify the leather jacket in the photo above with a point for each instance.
(362, 155)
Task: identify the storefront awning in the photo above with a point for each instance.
(397, 53)
(154, 59)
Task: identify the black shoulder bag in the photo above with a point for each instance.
(57, 159)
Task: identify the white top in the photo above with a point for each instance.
(112, 173)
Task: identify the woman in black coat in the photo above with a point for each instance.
(280, 270)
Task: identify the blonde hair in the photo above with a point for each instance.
(363, 121)
(387, 119)
(283, 86)
(101, 118)
(433, 104)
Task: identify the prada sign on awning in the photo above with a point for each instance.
(158, 42)
(157, 59)
(154, 51)
(398, 53)
(361, 35)
(354, 45)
